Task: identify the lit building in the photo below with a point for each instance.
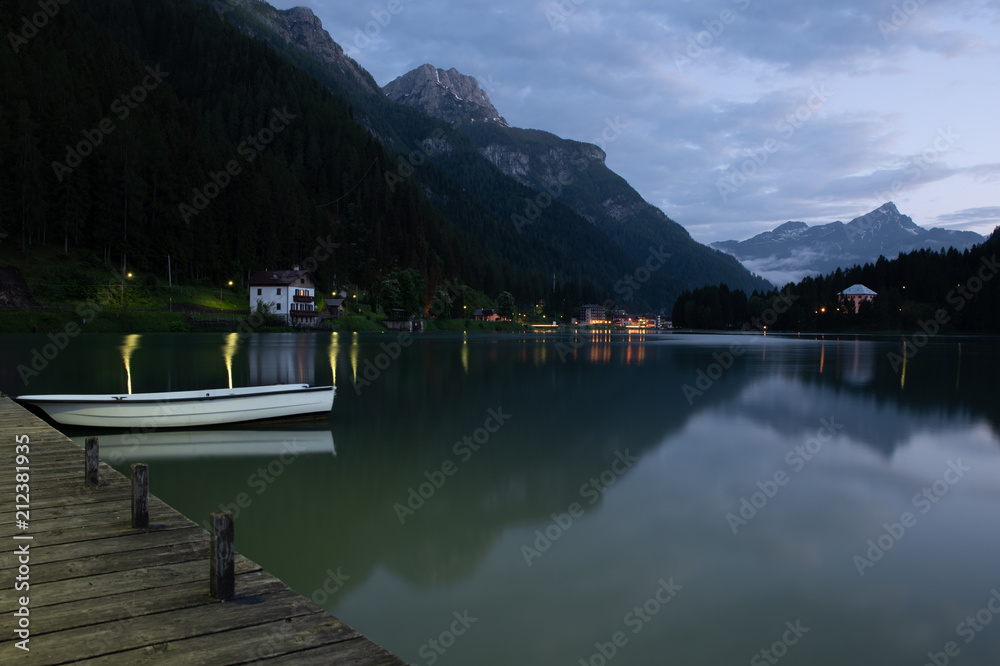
(855, 295)
(593, 314)
(485, 314)
(291, 295)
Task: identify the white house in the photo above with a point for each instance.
(291, 294)
(853, 296)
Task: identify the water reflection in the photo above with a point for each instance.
(577, 402)
(334, 349)
(355, 350)
(274, 361)
(128, 347)
(126, 448)
(465, 351)
(228, 351)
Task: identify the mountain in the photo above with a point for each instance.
(177, 144)
(924, 292)
(794, 250)
(448, 95)
(253, 137)
(536, 199)
(571, 172)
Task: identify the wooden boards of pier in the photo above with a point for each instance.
(101, 591)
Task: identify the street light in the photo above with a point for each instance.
(220, 291)
(123, 290)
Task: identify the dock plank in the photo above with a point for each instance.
(287, 637)
(102, 592)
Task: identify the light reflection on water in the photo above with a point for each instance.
(577, 403)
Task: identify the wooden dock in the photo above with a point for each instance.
(103, 592)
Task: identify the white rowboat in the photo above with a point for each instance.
(177, 409)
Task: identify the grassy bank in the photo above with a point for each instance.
(55, 321)
(141, 302)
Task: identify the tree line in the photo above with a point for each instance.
(945, 290)
(147, 132)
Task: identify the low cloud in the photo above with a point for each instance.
(970, 218)
(802, 263)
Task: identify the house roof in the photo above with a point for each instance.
(334, 302)
(278, 277)
(858, 290)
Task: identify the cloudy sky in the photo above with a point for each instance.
(737, 115)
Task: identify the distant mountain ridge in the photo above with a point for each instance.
(795, 250)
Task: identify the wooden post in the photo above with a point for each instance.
(93, 461)
(140, 495)
(223, 569)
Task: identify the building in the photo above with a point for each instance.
(649, 321)
(334, 308)
(398, 320)
(855, 295)
(290, 294)
(485, 314)
(593, 314)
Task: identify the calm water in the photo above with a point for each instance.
(577, 499)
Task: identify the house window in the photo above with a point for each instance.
(302, 280)
(278, 306)
(258, 291)
(279, 291)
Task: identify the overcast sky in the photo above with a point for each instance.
(737, 115)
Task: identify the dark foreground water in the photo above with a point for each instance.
(667, 499)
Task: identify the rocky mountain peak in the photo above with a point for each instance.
(301, 28)
(886, 217)
(445, 94)
(789, 228)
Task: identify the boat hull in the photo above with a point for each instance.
(183, 409)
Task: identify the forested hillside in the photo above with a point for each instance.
(944, 290)
(143, 129)
(192, 133)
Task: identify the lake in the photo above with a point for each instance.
(594, 498)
